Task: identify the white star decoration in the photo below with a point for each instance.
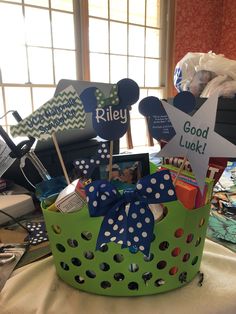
(196, 139)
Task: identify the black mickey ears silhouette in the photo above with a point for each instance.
(159, 124)
(128, 92)
(185, 101)
(110, 116)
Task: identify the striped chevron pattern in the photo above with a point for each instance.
(64, 111)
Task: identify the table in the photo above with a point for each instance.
(36, 289)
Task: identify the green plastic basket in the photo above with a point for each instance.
(174, 259)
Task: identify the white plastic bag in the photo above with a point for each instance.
(203, 73)
(185, 70)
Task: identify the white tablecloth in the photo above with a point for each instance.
(36, 289)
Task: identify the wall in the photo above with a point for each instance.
(228, 34)
(197, 26)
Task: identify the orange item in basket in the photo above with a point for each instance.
(186, 194)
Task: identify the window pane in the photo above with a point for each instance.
(2, 121)
(123, 144)
(40, 65)
(136, 40)
(98, 8)
(139, 132)
(98, 35)
(134, 113)
(63, 30)
(152, 72)
(13, 33)
(159, 93)
(118, 10)
(99, 67)
(13, 64)
(18, 98)
(153, 13)
(38, 31)
(143, 93)
(118, 68)
(118, 38)
(65, 5)
(136, 70)
(137, 11)
(41, 95)
(152, 43)
(65, 67)
(17, 1)
(41, 3)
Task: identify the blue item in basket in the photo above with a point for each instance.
(50, 187)
(134, 228)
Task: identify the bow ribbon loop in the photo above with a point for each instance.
(101, 196)
(113, 98)
(128, 219)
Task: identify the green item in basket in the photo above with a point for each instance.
(174, 259)
(153, 167)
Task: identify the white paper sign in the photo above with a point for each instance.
(5, 160)
(196, 138)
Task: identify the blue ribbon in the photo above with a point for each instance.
(128, 219)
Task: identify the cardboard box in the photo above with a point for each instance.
(72, 198)
(16, 206)
(186, 194)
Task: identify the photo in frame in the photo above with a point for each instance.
(127, 168)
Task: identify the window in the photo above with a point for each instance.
(36, 44)
(43, 41)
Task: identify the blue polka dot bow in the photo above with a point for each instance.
(128, 219)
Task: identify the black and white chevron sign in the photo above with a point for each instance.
(64, 111)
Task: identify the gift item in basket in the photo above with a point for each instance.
(71, 198)
(191, 198)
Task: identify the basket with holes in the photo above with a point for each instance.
(174, 259)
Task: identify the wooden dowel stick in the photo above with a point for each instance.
(60, 157)
(110, 161)
(180, 169)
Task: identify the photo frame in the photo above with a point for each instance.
(126, 168)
